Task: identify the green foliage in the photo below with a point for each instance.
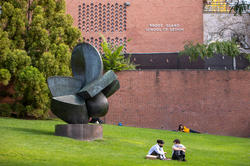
(113, 59)
(5, 110)
(195, 51)
(36, 38)
(17, 60)
(56, 62)
(32, 88)
(19, 110)
(4, 76)
(228, 48)
(47, 64)
(240, 7)
(13, 21)
(4, 46)
(247, 56)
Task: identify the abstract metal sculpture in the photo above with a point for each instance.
(84, 95)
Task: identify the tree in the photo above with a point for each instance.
(240, 7)
(36, 39)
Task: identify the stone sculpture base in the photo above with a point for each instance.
(84, 132)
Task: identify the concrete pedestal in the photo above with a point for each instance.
(84, 132)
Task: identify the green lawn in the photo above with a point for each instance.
(32, 143)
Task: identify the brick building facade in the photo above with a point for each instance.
(153, 26)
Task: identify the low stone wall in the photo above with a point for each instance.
(214, 102)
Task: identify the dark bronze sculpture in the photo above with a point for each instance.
(84, 95)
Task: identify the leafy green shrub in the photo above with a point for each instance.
(19, 110)
(36, 39)
(17, 60)
(32, 88)
(228, 48)
(55, 62)
(4, 76)
(113, 59)
(202, 50)
(195, 51)
(5, 110)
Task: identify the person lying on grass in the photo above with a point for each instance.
(178, 151)
(184, 129)
(156, 151)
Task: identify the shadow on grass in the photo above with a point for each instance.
(31, 131)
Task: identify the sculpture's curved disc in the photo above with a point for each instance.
(60, 86)
(86, 63)
(71, 109)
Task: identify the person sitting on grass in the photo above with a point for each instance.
(95, 120)
(156, 151)
(184, 129)
(178, 151)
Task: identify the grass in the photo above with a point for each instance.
(32, 143)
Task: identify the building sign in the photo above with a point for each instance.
(164, 28)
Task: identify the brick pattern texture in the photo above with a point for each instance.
(214, 102)
(140, 22)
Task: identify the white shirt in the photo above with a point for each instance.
(177, 146)
(157, 149)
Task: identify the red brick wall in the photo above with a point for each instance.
(214, 102)
(139, 15)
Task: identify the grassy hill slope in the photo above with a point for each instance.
(32, 143)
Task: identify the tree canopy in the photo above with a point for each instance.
(36, 39)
